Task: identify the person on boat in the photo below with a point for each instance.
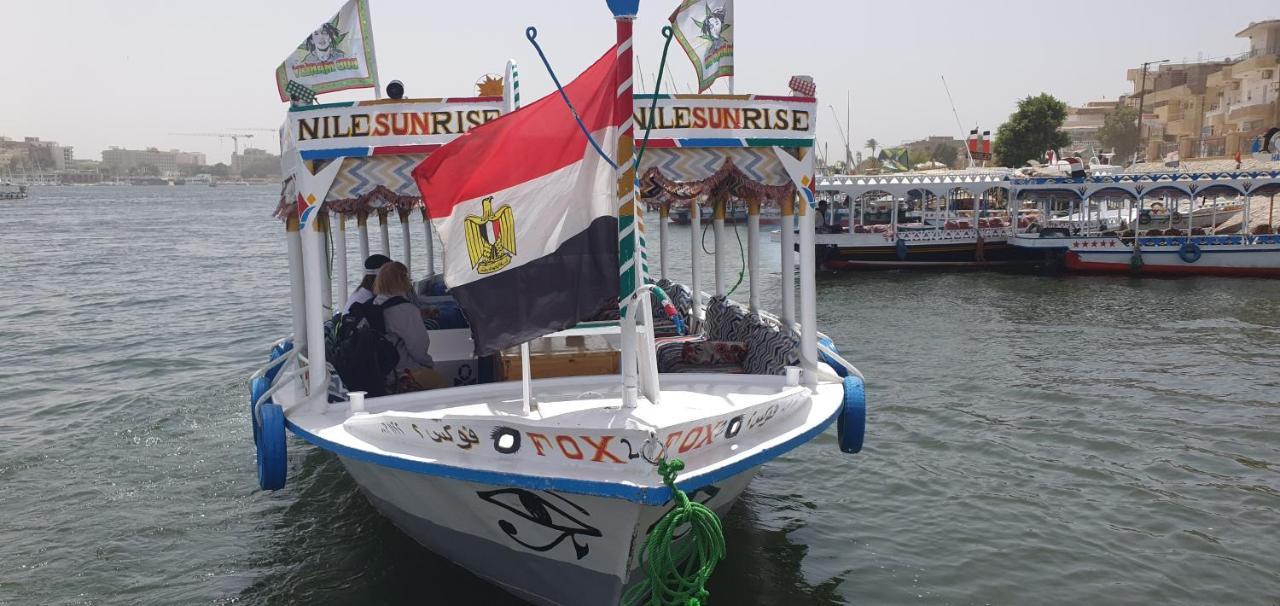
(820, 222)
(404, 327)
(364, 292)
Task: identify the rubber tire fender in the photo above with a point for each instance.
(272, 459)
(822, 355)
(851, 424)
(1190, 252)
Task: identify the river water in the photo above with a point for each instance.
(1031, 439)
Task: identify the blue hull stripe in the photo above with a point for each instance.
(1147, 251)
(337, 152)
(656, 495)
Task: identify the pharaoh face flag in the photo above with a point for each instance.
(338, 55)
(525, 211)
(704, 29)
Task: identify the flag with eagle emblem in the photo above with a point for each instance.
(525, 209)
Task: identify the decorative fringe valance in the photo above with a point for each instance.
(380, 198)
(728, 180)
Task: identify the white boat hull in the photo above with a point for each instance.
(1218, 255)
(548, 547)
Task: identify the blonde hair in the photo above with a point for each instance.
(393, 279)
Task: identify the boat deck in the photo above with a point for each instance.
(577, 435)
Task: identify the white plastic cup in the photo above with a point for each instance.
(793, 376)
(357, 401)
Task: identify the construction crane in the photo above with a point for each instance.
(274, 131)
(235, 138)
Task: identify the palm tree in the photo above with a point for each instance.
(872, 144)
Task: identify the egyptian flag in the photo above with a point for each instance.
(525, 209)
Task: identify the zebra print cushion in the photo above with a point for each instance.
(769, 349)
(719, 319)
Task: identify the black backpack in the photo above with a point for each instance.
(362, 353)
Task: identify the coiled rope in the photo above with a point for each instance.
(677, 574)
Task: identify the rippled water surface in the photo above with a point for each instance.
(1031, 439)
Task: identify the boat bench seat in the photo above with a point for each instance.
(735, 341)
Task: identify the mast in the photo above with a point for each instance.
(630, 252)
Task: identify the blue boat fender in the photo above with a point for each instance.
(829, 344)
(257, 388)
(1189, 252)
(851, 425)
(272, 461)
(901, 249)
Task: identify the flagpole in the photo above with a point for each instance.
(373, 65)
(629, 257)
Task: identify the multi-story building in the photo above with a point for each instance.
(165, 162)
(1083, 124)
(1212, 108)
(34, 155)
(253, 156)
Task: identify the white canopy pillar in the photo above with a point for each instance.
(431, 246)
(808, 296)
(717, 226)
(297, 292)
(362, 226)
(788, 262)
(326, 285)
(664, 213)
(313, 265)
(386, 234)
(344, 285)
(695, 229)
(405, 242)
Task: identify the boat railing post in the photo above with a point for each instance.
(405, 240)
(788, 264)
(695, 251)
(362, 226)
(1247, 216)
(808, 296)
(385, 230)
(431, 246)
(526, 384)
(717, 227)
(753, 253)
(664, 212)
(326, 280)
(1213, 219)
(343, 283)
(297, 292)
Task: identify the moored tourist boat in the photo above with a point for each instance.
(1086, 244)
(537, 466)
(943, 233)
(9, 191)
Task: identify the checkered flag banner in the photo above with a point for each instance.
(301, 93)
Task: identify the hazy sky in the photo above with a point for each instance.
(94, 74)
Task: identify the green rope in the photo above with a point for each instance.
(742, 255)
(676, 574)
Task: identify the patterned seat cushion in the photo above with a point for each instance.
(714, 353)
(770, 349)
(726, 320)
